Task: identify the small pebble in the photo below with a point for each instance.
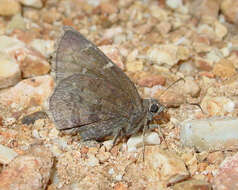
(210, 134)
(136, 141)
(6, 154)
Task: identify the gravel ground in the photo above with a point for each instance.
(155, 42)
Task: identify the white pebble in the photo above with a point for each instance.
(6, 154)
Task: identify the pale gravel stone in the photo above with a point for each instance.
(210, 134)
(6, 154)
(174, 4)
(136, 141)
(9, 44)
(45, 47)
(10, 72)
(217, 106)
(17, 22)
(164, 165)
(32, 3)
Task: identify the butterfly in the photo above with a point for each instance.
(93, 97)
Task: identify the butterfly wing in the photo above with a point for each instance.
(82, 99)
(75, 54)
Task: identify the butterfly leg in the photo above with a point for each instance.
(117, 135)
(153, 126)
(143, 140)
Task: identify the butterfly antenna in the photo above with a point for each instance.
(172, 85)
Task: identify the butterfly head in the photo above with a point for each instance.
(154, 108)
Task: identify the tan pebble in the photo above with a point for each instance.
(170, 98)
(189, 87)
(32, 14)
(51, 15)
(202, 166)
(220, 30)
(164, 27)
(108, 8)
(134, 66)
(230, 9)
(9, 7)
(201, 44)
(103, 156)
(216, 157)
(158, 12)
(163, 54)
(164, 165)
(207, 10)
(203, 64)
(224, 69)
(183, 53)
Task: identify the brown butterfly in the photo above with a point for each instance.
(94, 97)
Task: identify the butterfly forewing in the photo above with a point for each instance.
(75, 54)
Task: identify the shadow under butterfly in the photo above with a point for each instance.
(93, 97)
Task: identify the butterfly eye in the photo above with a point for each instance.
(154, 108)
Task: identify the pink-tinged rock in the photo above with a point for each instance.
(205, 9)
(230, 9)
(10, 73)
(227, 176)
(29, 171)
(114, 54)
(150, 80)
(29, 92)
(170, 98)
(201, 43)
(32, 62)
(203, 64)
(163, 165)
(217, 106)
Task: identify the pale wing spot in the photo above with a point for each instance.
(108, 65)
